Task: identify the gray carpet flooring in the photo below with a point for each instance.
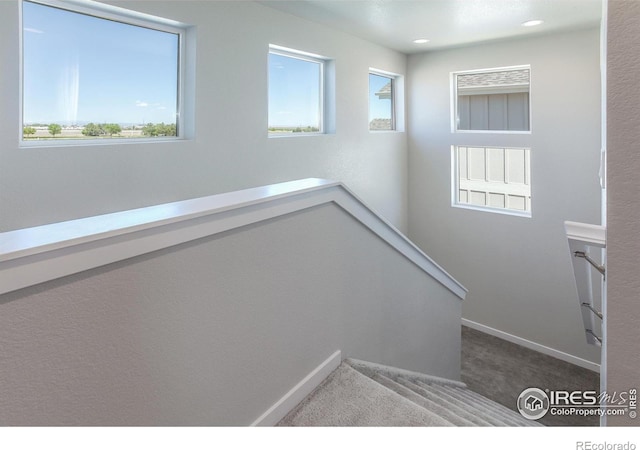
(501, 370)
(358, 393)
(495, 371)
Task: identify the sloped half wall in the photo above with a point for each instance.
(214, 331)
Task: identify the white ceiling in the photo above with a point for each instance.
(446, 23)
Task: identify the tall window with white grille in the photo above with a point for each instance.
(488, 105)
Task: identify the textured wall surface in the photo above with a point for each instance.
(216, 331)
(231, 149)
(623, 203)
(518, 270)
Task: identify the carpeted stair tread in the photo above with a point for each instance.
(475, 397)
(497, 407)
(422, 401)
(462, 412)
(486, 408)
(358, 393)
(486, 415)
(509, 417)
(348, 398)
(370, 369)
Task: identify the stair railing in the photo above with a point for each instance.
(585, 241)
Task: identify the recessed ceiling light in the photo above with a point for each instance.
(420, 41)
(532, 23)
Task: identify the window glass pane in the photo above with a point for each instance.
(380, 102)
(497, 101)
(89, 77)
(496, 178)
(295, 104)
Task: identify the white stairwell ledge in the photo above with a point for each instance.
(34, 255)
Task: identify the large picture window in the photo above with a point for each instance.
(96, 75)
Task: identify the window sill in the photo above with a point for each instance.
(293, 135)
(488, 209)
(57, 143)
(490, 132)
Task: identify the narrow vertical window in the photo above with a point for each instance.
(381, 102)
(95, 75)
(296, 93)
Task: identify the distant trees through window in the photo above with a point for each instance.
(94, 74)
(296, 86)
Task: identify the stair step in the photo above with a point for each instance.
(441, 411)
(461, 412)
(358, 393)
(510, 417)
(473, 396)
(486, 408)
(348, 398)
(370, 369)
(483, 412)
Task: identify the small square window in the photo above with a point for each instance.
(381, 102)
(493, 179)
(494, 100)
(296, 92)
(92, 74)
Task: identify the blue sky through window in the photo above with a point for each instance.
(379, 105)
(294, 92)
(79, 69)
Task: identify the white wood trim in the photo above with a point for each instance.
(593, 235)
(34, 255)
(298, 393)
(506, 212)
(533, 346)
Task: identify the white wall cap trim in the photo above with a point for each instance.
(40, 239)
(34, 255)
(595, 235)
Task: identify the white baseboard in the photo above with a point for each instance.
(280, 409)
(533, 346)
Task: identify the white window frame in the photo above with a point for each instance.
(394, 82)
(128, 17)
(455, 185)
(314, 58)
(454, 100)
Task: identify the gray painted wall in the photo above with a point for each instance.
(623, 207)
(231, 150)
(216, 331)
(518, 270)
